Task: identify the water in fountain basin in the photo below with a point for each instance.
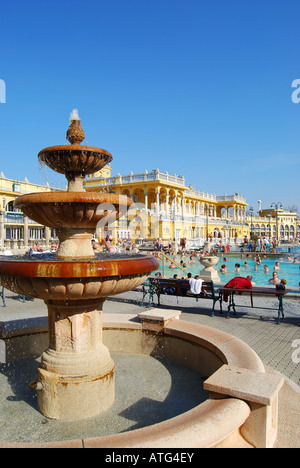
(164, 390)
(51, 257)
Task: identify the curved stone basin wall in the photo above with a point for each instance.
(218, 422)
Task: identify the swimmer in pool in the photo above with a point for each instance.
(274, 280)
(276, 267)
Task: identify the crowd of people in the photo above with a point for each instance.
(243, 269)
(108, 245)
(179, 257)
(187, 259)
(261, 244)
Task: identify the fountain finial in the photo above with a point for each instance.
(75, 133)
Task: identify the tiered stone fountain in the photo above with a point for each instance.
(76, 374)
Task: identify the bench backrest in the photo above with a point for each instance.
(181, 284)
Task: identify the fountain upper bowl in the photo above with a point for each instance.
(73, 209)
(75, 160)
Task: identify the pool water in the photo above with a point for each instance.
(288, 270)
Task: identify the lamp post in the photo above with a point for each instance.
(269, 217)
(174, 219)
(251, 212)
(276, 207)
(206, 207)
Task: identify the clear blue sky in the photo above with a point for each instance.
(198, 88)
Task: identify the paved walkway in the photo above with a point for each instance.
(273, 343)
(258, 328)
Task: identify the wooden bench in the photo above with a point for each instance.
(255, 290)
(179, 288)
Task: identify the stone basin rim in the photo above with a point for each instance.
(72, 197)
(78, 268)
(73, 148)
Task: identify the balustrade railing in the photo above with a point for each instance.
(144, 177)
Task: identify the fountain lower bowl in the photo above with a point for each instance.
(87, 279)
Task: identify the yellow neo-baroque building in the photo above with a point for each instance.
(165, 207)
(17, 231)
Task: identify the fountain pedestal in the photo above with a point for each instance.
(75, 242)
(76, 367)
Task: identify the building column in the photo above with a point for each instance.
(47, 235)
(146, 200)
(183, 206)
(25, 231)
(157, 202)
(234, 213)
(167, 203)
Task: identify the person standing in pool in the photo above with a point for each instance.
(276, 267)
(274, 280)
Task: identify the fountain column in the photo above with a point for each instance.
(77, 366)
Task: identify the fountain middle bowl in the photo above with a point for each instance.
(78, 279)
(73, 209)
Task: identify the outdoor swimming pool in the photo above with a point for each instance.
(288, 270)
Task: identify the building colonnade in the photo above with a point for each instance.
(163, 207)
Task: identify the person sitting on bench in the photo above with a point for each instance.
(195, 285)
